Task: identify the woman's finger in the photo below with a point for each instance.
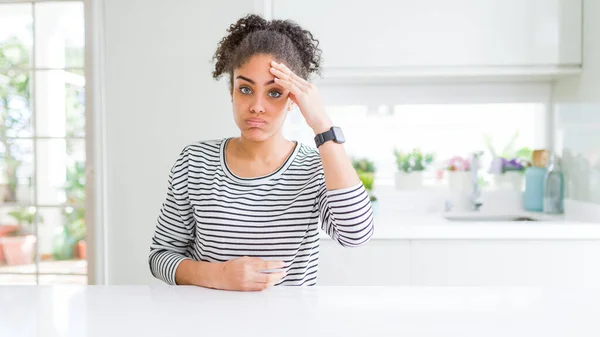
(283, 76)
(270, 264)
(289, 86)
(290, 73)
(275, 278)
(269, 278)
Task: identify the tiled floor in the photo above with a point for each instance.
(25, 274)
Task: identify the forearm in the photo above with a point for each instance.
(198, 273)
(338, 169)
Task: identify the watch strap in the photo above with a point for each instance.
(324, 137)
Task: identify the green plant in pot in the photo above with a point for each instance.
(365, 169)
(413, 161)
(509, 165)
(510, 159)
(410, 167)
(19, 245)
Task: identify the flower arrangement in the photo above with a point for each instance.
(458, 164)
(509, 160)
(514, 164)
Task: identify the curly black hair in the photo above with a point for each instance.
(285, 40)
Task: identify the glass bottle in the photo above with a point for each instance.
(554, 185)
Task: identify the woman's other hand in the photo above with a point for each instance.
(246, 274)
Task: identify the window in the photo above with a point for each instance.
(42, 143)
(446, 121)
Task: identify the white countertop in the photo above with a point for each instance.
(406, 226)
(100, 311)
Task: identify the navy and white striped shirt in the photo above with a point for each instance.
(212, 215)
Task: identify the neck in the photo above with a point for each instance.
(266, 150)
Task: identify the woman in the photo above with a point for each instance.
(244, 213)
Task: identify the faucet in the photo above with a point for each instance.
(476, 200)
(474, 196)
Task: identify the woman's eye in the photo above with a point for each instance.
(274, 94)
(245, 90)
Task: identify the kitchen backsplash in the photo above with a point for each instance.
(577, 141)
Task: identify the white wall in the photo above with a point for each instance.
(159, 96)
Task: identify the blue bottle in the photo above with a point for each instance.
(533, 197)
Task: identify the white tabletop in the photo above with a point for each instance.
(144, 311)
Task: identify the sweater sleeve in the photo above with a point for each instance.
(175, 227)
(346, 214)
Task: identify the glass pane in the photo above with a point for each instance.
(15, 104)
(15, 35)
(17, 279)
(63, 279)
(59, 35)
(16, 171)
(61, 172)
(60, 104)
(62, 248)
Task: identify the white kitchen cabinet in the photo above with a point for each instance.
(505, 262)
(450, 262)
(378, 263)
(464, 34)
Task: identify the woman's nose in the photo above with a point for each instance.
(257, 106)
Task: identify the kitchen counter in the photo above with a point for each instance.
(99, 311)
(406, 226)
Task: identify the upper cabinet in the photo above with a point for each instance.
(425, 35)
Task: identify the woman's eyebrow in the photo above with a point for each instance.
(251, 81)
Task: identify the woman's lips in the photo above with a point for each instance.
(255, 122)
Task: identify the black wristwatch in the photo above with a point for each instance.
(335, 134)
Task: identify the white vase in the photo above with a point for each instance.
(407, 181)
(460, 187)
(460, 180)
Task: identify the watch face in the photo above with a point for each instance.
(339, 135)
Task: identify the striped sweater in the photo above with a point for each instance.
(212, 215)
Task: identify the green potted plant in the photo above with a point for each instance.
(19, 245)
(365, 169)
(410, 168)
